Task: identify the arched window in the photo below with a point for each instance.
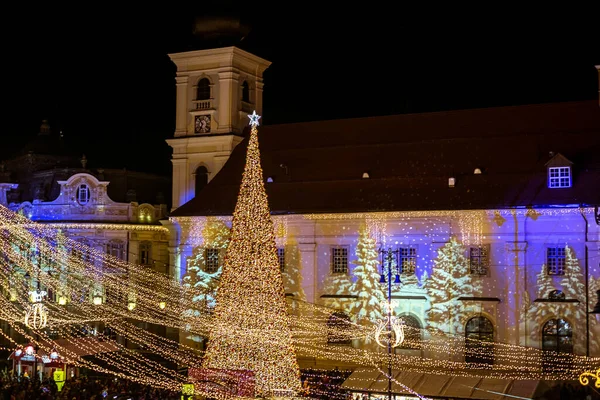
(479, 341)
(412, 333)
(245, 92)
(83, 194)
(557, 337)
(203, 90)
(338, 328)
(201, 178)
(556, 295)
(145, 253)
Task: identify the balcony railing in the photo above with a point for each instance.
(203, 104)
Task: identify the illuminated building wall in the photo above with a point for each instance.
(505, 183)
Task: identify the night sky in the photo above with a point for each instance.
(103, 76)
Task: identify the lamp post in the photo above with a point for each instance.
(387, 257)
(584, 378)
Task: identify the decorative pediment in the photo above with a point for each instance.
(558, 160)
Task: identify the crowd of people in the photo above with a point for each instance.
(14, 387)
(325, 385)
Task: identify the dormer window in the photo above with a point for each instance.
(559, 171)
(83, 194)
(559, 177)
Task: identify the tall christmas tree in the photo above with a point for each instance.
(251, 330)
(451, 279)
(215, 235)
(368, 306)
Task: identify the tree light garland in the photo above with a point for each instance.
(251, 295)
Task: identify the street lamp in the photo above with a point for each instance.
(387, 258)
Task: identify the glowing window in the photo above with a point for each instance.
(145, 253)
(557, 344)
(408, 260)
(559, 177)
(339, 260)
(479, 260)
(479, 341)
(555, 260)
(83, 194)
(203, 90)
(211, 260)
(281, 257)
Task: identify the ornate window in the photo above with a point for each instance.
(145, 253)
(338, 328)
(211, 260)
(83, 194)
(245, 92)
(555, 260)
(281, 257)
(557, 343)
(479, 341)
(339, 260)
(116, 248)
(145, 214)
(412, 333)
(408, 260)
(559, 177)
(201, 178)
(479, 260)
(203, 89)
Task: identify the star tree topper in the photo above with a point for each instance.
(254, 117)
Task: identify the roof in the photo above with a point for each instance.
(443, 386)
(317, 167)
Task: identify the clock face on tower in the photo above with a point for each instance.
(202, 124)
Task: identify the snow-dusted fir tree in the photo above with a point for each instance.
(540, 311)
(337, 285)
(450, 279)
(215, 236)
(594, 286)
(368, 306)
(292, 273)
(573, 286)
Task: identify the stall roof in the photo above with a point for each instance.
(442, 386)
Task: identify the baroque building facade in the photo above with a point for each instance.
(491, 215)
(116, 212)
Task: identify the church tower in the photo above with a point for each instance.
(216, 90)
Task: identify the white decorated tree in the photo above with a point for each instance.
(216, 235)
(368, 306)
(594, 286)
(337, 292)
(573, 286)
(539, 311)
(450, 279)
